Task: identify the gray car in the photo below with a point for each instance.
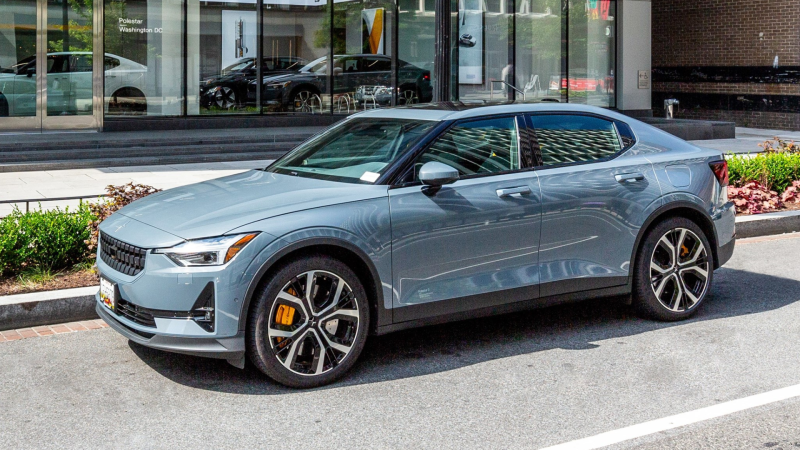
(398, 218)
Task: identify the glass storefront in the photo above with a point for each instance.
(188, 58)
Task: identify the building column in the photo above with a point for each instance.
(634, 34)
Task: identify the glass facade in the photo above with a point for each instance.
(298, 57)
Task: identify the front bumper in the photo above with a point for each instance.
(230, 349)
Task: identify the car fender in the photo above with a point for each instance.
(670, 202)
(307, 238)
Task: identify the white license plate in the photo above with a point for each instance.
(108, 293)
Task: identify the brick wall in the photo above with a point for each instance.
(738, 33)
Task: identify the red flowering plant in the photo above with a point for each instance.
(792, 193)
(754, 198)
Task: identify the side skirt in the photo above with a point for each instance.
(535, 303)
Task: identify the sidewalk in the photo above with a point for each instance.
(747, 140)
(75, 182)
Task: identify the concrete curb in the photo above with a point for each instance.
(47, 308)
(70, 305)
(767, 224)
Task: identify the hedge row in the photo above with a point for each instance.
(58, 239)
(54, 239)
(776, 171)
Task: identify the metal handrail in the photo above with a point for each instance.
(28, 201)
(491, 88)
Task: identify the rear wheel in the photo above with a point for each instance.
(310, 323)
(128, 101)
(674, 269)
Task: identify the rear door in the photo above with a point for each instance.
(595, 198)
(473, 243)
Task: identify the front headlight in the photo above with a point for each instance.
(279, 85)
(207, 252)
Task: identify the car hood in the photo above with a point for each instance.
(214, 207)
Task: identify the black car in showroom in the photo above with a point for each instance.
(359, 81)
(228, 90)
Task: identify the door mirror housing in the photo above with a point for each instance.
(434, 175)
(30, 72)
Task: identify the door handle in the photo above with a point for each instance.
(629, 178)
(507, 192)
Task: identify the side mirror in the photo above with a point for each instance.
(434, 175)
(30, 72)
(337, 71)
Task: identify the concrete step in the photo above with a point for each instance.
(179, 140)
(137, 151)
(126, 160)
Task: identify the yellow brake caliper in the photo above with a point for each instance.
(285, 314)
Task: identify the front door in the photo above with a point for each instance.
(47, 66)
(473, 243)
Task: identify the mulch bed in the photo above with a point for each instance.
(83, 278)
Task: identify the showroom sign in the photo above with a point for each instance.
(127, 25)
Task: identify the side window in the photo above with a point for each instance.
(565, 139)
(81, 63)
(111, 63)
(626, 134)
(377, 65)
(479, 147)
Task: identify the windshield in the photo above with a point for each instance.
(239, 65)
(355, 151)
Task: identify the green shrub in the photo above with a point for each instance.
(775, 171)
(44, 240)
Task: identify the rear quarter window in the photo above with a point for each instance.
(568, 139)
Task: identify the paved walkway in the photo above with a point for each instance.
(75, 182)
(747, 140)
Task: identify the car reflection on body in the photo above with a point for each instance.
(303, 91)
(467, 40)
(228, 90)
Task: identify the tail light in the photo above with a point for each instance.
(720, 169)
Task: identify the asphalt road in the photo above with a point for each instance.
(525, 380)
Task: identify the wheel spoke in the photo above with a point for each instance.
(688, 292)
(292, 299)
(336, 297)
(318, 364)
(657, 268)
(660, 288)
(289, 361)
(335, 345)
(671, 248)
(275, 333)
(697, 270)
(678, 294)
(700, 249)
(341, 312)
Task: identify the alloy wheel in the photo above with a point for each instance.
(306, 101)
(408, 97)
(679, 269)
(313, 323)
(225, 98)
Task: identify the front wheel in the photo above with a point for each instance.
(309, 323)
(674, 268)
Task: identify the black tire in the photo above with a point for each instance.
(680, 282)
(128, 102)
(265, 351)
(304, 99)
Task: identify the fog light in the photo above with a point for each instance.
(203, 310)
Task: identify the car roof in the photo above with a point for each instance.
(460, 110)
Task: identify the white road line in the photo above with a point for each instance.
(679, 420)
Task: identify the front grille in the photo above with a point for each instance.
(122, 257)
(134, 313)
